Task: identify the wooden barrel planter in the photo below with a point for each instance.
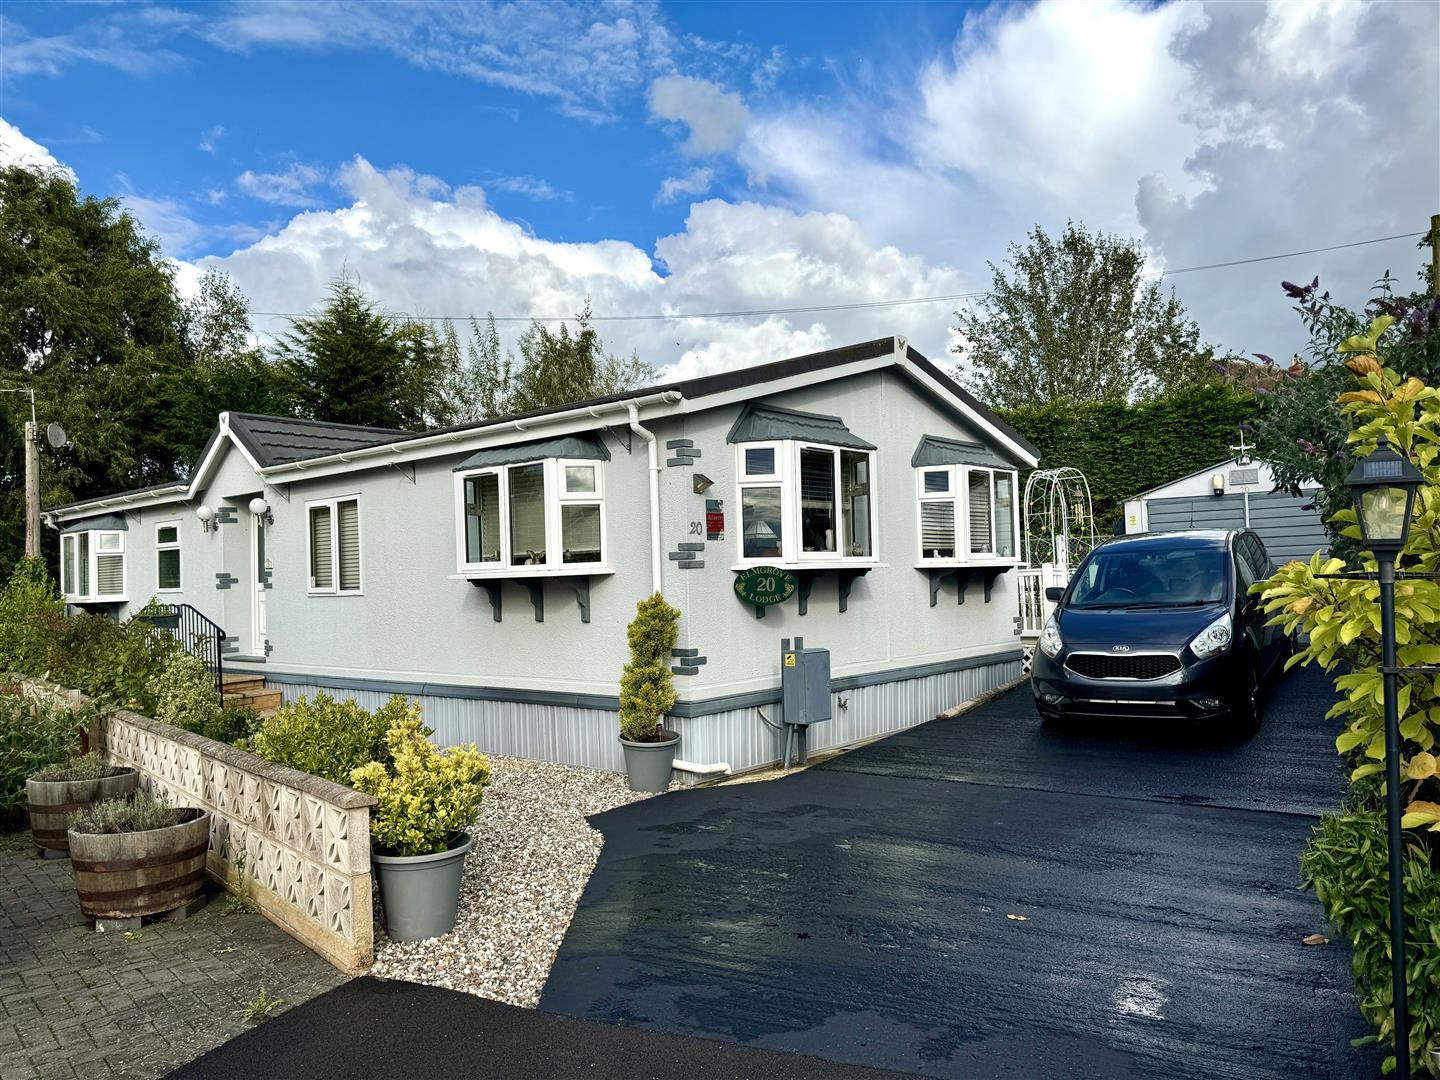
(51, 802)
(132, 874)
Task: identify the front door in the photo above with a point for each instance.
(260, 576)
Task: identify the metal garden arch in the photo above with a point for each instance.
(1059, 518)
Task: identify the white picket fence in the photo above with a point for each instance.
(1032, 582)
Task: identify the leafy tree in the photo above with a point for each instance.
(229, 370)
(493, 373)
(89, 318)
(1337, 615)
(557, 368)
(1298, 431)
(1071, 320)
(1124, 448)
(354, 364)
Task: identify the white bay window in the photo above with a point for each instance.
(529, 517)
(805, 502)
(92, 566)
(966, 513)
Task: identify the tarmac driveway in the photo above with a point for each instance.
(983, 897)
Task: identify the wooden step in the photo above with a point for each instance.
(260, 699)
(243, 682)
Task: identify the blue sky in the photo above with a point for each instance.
(469, 157)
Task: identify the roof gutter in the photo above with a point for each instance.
(113, 501)
(423, 442)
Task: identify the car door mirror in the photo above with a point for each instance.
(1053, 593)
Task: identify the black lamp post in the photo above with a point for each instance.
(1384, 484)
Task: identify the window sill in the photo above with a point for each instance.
(510, 573)
(981, 562)
(817, 564)
(333, 592)
(97, 599)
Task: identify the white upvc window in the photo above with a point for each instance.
(803, 502)
(92, 566)
(333, 547)
(966, 513)
(167, 556)
(543, 516)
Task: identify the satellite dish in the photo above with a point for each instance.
(55, 436)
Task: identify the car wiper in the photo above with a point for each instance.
(1167, 604)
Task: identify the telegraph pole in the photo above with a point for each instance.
(32, 487)
(1435, 256)
(32, 477)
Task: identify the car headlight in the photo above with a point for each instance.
(1050, 640)
(1214, 639)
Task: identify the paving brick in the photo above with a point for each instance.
(74, 1003)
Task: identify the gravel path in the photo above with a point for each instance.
(532, 856)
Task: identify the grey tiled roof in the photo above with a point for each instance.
(759, 422)
(273, 440)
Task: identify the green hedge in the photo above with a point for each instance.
(1126, 449)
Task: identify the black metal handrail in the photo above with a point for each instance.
(197, 634)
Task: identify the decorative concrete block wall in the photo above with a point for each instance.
(305, 841)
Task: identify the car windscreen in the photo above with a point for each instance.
(1152, 577)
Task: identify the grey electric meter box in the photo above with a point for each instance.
(804, 692)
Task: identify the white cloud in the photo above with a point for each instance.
(132, 47)
(420, 247)
(289, 187)
(694, 182)
(530, 187)
(168, 221)
(1067, 101)
(716, 118)
(1210, 132)
(17, 149)
(211, 138)
(584, 57)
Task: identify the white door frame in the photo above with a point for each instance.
(259, 563)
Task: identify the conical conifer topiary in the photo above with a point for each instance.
(647, 689)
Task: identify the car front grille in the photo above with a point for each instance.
(1119, 666)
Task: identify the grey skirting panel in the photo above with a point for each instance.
(559, 699)
(862, 708)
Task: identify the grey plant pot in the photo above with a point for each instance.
(648, 764)
(421, 893)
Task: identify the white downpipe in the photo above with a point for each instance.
(719, 768)
(653, 452)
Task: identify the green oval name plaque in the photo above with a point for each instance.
(765, 585)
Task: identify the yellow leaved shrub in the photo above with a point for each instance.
(427, 795)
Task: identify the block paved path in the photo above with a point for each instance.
(76, 1003)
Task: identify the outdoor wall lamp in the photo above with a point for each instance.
(1383, 484)
(261, 509)
(1217, 484)
(701, 483)
(207, 518)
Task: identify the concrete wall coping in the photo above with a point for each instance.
(331, 792)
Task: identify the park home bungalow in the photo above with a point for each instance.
(489, 571)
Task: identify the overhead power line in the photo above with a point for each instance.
(861, 305)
